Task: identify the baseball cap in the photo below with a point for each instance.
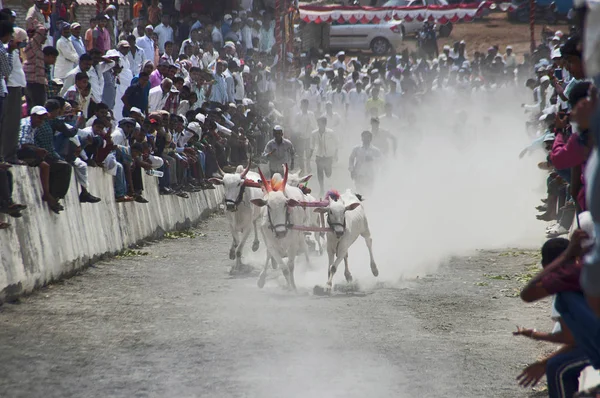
(123, 43)
(136, 110)
(112, 53)
(39, 110)
(75, 25)
(127, 120)
(277, 128)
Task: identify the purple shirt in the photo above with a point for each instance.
(102, 39)
(155, 78)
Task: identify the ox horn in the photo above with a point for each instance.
(247, 169)
(286, 172)
(220, 170)
(264, 180)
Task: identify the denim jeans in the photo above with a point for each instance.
(120, 182)
(582, 322)
(562, 373)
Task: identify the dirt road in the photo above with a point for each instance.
(169, 321)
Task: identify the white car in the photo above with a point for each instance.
(379, 38)
(412, 27)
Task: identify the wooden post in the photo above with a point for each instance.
(532, 25)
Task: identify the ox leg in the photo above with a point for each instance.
(333, 268)
(347, 273)
(319, 243)
(234, 243)
(369, 242)
(238, 251)
(263, 274)
(256, 243)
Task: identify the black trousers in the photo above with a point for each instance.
(60, 178)
(136, 177)
(35, 93)
(6, 188)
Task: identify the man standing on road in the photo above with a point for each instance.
(279, 151)
(304, 125)
(363, 160)
(323, 144)
(382, 138)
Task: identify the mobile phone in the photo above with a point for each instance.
(558, 73)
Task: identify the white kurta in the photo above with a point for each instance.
(67, 58)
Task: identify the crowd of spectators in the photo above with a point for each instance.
(564, 123)
(176, 95)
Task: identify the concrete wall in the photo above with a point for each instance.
(42, 246)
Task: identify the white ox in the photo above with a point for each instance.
(280, 212)
(240, 189)
(315, 219)
(347, 219)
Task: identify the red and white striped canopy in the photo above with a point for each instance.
(434, 13)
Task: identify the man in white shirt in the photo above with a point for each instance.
(357, 97)
(194, 41)
(363, 162)
(16, 82)
(210, 54)
(324, 145)
(136, 56)
(159, 95)
(339, 98)
(510, 59)
(339, 63)
(146, 43)
(164, 32)
(67, 55)
(304, 124)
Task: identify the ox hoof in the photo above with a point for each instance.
(238, 254)
(374, 270)
(348, 277)
(255, 246)
(232, 254)
(232, 271)
(261, 280)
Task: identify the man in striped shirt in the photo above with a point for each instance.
(35, 67)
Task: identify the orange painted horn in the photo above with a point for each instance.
(264, 180)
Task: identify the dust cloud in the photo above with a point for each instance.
(453, 187)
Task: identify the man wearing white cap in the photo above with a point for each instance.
(339, 63)
(67, 55)
(510, 60)
(146, 43)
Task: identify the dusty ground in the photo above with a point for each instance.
(168, 321)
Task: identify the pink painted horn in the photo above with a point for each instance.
(246, 170)
(266, 184)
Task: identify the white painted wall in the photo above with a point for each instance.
(41, 246)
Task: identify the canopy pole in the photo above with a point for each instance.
(532, 25)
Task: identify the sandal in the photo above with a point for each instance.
(123, 199)
(4, 225)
